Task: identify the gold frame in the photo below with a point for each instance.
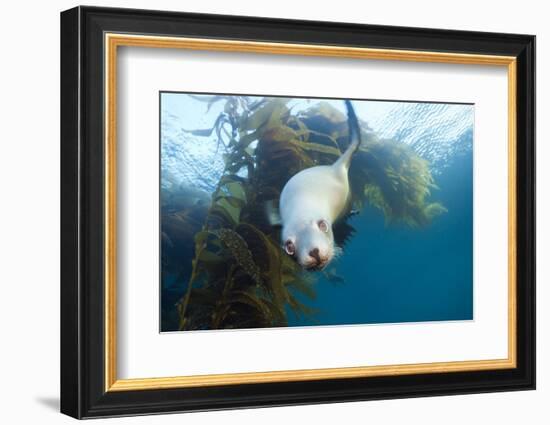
(113, 41)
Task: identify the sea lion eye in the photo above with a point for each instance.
(323, 226)
(290, 248)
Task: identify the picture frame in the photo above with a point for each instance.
(90, 40)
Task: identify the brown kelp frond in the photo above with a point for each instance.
(239, 276)
(281, 277)
(396, 180)
(238, 248)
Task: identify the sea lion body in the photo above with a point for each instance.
(312, 201)
(320, 192)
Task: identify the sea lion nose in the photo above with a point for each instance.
(314, 253)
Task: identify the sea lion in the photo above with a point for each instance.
(312, 201)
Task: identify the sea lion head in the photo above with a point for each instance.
(309, 242)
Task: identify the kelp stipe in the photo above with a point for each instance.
(240, 277)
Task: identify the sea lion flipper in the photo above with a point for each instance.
(354, 138)
(272, 213)
(343, 231)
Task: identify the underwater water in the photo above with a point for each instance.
(393, 269)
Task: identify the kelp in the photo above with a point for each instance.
(240, 277)
(396, 180)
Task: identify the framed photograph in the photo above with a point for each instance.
(261, 212)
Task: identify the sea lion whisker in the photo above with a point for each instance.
(337, 252)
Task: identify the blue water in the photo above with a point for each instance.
(390, 273)
(396, 274)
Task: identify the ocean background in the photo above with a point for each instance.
(390, 273)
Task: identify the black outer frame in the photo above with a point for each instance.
(82, 219)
